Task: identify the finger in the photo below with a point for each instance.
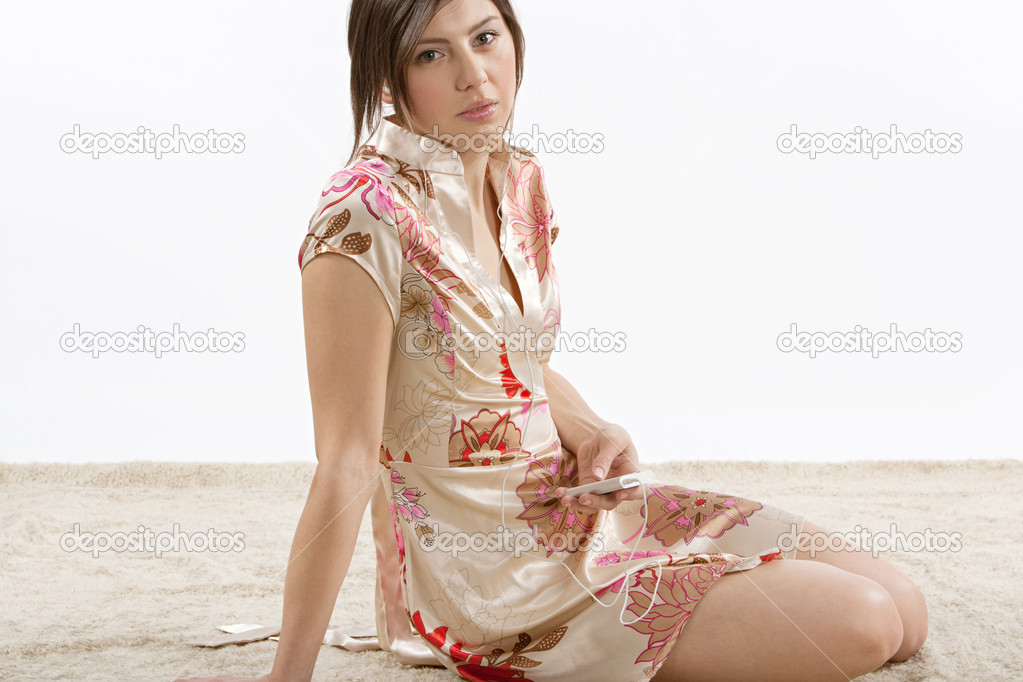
(577, 503)
(607, 502)
(593, 501)
(633, 493)
(604, 461)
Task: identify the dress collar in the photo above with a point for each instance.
(431, 155)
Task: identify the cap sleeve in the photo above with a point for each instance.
(354, 217)
(554, 227)
(552, 224)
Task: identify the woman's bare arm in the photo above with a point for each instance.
(575, 420)
(602, 448)
(348, 329)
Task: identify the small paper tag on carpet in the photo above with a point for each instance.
(248, 635)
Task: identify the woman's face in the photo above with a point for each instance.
(466, 56)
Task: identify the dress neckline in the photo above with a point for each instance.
(432, 156)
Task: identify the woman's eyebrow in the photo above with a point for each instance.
(445, 41)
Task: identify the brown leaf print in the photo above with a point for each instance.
(408, 172)
(522, 662)
(481, 310)
(465, 290)
(550, 640)
(337, 223)
(357, 243)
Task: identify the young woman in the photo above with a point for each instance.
(441, 233)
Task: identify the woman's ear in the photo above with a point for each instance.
(387, 95)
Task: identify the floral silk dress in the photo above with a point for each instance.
(479, 568)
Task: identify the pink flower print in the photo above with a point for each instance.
(375, 196)
(439, 316)
(544, 512)
(406, 504)
(399, 539)
(680, 514)
(678, 592)
(530, 216)
(615, 557)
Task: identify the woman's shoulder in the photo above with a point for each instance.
(369, 166)
(522, 158)
(362, 188)
(355, 210)
(527, 174)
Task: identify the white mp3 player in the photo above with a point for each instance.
(611, 485)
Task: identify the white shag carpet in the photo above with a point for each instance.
(67, 615)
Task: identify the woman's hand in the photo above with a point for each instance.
(607, 453)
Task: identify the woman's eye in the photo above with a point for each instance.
(427, 56)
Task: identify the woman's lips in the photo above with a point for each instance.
(480, 114)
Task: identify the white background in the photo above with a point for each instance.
(691, 232)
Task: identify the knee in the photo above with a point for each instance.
(876, 625)
(913, 610)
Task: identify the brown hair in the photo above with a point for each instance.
(382, 38)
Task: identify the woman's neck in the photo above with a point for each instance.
(474, 167)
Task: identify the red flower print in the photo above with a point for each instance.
(487, 438)
(486, 667)
(386, 458)
(511, 383)
(435, 636)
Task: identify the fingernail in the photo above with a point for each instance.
(599, 472)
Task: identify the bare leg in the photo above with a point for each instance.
(908, 598)
(787, 620)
